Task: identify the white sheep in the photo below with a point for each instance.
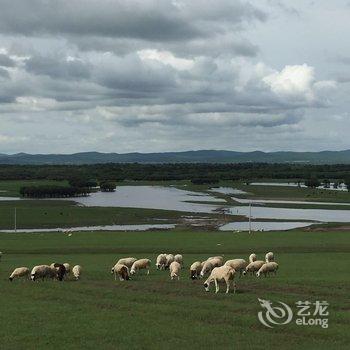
(126, 261)
(169, 260)
(253, 267)
(0, 256)
(178, 258)
(161, 261)
(252, 257)
(222, 273)
(267, 268)
(238, 265)
(67, 267)
(19, 272)
(122, 271)
(77, 270)
(139, 265)
(195, 269)
(174, 269)
(209, 264)
(43, 271)
(269, 257)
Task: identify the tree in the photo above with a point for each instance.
(312, 182)
(108, 186)
(347, 183)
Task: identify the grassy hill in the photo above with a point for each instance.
(202, 156)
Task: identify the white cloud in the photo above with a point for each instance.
(166, 57)
(293, 81)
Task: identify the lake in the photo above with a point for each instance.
(263, 226)
(320, 215)
(153, 197)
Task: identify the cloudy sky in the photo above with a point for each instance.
(147, 75)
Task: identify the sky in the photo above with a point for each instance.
(155, 76)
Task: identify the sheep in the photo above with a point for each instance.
(223, 273)
(19, 272)
(77, 271)
(139, 265)
(253, 267)
(267, 268)
(195, 269)
(216, 257)
(43, 271)
(237, 264)
(122, 271)
(126, 261)
(0, 255)
(178, 258)
(210, 264)
(252, 257)
(269, 257)
(67, 267)
(61, 271)
(161, 261)
(169, 260)
(174, 269)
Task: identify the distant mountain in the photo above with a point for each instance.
(203, 156)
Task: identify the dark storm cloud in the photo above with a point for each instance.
(122, 26)
(4, 73)
(57, 68)
(151, 20)
(6, 61)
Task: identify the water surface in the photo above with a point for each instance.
(320, 215)
(263, 226)
(95, 228)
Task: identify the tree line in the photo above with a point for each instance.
(196, 172)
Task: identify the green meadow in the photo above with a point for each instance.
(153, 312)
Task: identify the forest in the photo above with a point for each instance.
(198, 173)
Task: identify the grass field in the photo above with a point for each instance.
(153, 312)
(52, 214)
(11, 188)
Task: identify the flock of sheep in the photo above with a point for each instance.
(214, 266)
(53, 271)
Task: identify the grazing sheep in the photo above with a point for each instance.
(77, 271)
(126, 261)
(210, 264)
(253, 267)
(267, 268)
(169, 260)
(43, 271)
(195, 269)
(139, 265)
(122, 271)
(0, 255)
(61, 271)
(222, 273)
(178, 258)
(252, 257)
(216, 257)
(67, 267)
(238, 264)
(19, 272)
(269, 257)
(174, 269)
(161, 261)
